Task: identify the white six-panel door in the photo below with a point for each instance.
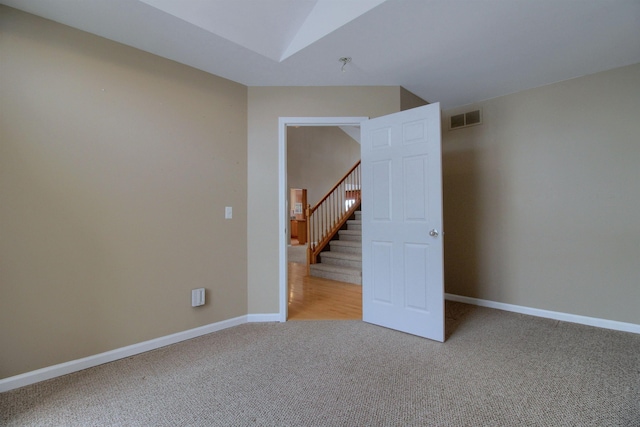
(402, 244)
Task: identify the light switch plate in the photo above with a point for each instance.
(197, 297)
(228, 212)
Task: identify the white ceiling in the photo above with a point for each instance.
(452, 51)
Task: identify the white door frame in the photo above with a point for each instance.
(283, 122)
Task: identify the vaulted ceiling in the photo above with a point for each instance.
(452, 51)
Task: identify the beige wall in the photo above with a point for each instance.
(266, 105)
(115, 168)
(317, 157)
(409, 100)
(542, 201)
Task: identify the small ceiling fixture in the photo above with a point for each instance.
(345, 60)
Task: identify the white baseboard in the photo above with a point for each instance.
(556, 315)
(49, 372)
(268, 317)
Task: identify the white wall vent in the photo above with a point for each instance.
(464, 120)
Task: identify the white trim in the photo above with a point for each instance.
(49, 372)
(283, 215)
(556, 315)
(262, 318)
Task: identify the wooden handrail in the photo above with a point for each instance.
(332, 212)
(340, 181)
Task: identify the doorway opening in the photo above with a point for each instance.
(284, 193)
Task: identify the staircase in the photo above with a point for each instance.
(343, 260)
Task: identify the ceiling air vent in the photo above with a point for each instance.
(465, 119)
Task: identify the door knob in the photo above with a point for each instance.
(433, 233)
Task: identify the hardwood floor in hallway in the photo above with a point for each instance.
(315, 298)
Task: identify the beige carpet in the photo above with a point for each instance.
(495, 369)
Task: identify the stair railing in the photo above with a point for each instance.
(332, 212)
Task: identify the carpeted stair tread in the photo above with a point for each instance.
(343, 255)
(345, 243)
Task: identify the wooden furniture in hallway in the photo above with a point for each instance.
(315, 298)
(298, 225)
(299, 231)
